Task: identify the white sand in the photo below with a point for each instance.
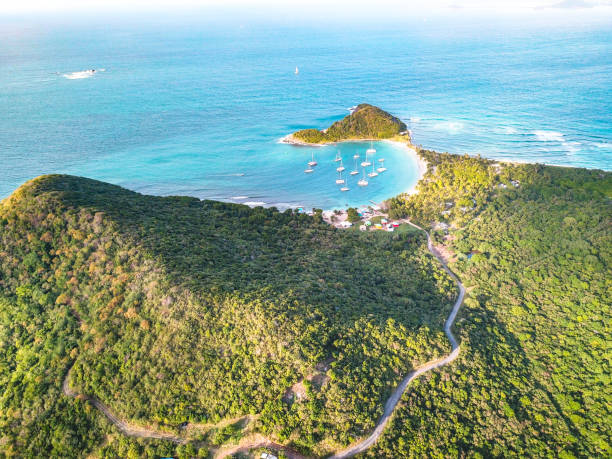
(421, 164)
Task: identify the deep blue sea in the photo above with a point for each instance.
(197, 108)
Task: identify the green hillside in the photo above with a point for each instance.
(366, 122)
(176, 310)
(534, 245)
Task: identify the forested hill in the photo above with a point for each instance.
(533, 244)
(366, 122)
(175, 310)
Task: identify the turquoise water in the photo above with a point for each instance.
(197, 108)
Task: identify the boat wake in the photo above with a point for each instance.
(82, 74)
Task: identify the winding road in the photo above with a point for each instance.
(391, 404)
(359, 447)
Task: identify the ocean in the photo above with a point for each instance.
(197, 107)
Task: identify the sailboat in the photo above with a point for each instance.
(296, 70)
(341, 167)
(355, 171)
(373, 173)
(340, 181)
(382, 167)
(366, 163)
(338, 157)
(313, 162)
(345, 187)
(356, 156)
(371, 150)
(363, 181)
(308, 170)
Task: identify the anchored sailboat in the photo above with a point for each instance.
(340, 180)
(371, 150)
(373, 173)
(366, 163)
(338, 157)
(363, 181)
(341, 167)
(355, 171)
(382, 167)
(345, 187)
(313, 162)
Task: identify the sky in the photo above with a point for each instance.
(348, 7)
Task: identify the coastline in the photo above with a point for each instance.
(421, 164)
(402, 141)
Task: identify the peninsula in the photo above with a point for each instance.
(366, 122)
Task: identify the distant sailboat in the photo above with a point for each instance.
(313, 162)
(373, 173)
(345, 187)
(366, 163)
(355, 171)
(382, 167)
(297, 70)
(340, 181)
(338, 157)
(341, 167)
(363, 181)
(309, 170)
(356, 155)
(371, 150)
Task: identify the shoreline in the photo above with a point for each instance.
(402, 141)
(421, 164)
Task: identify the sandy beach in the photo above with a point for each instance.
(421, 163)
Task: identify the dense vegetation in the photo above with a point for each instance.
(534, 245)
(177, 310)
(366, 122)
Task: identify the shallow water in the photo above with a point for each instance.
(198, 109)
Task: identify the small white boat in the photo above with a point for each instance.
(355, 171)
(309, 170)
(345, 188)
(340, 181)
(363, 181)
(338, 157)
(373, 173)
(356, 156)
(341, 167)
(370, 151)
(381, 169)
(313, 162)
(296, 70)
(366, 163)
(381, 160)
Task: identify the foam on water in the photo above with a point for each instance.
(548, 136)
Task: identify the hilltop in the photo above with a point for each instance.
(366, 122)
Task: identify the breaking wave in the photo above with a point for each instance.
(549, 136)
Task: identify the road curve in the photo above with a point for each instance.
(367, 442)
(142, 432)
(124, 427)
